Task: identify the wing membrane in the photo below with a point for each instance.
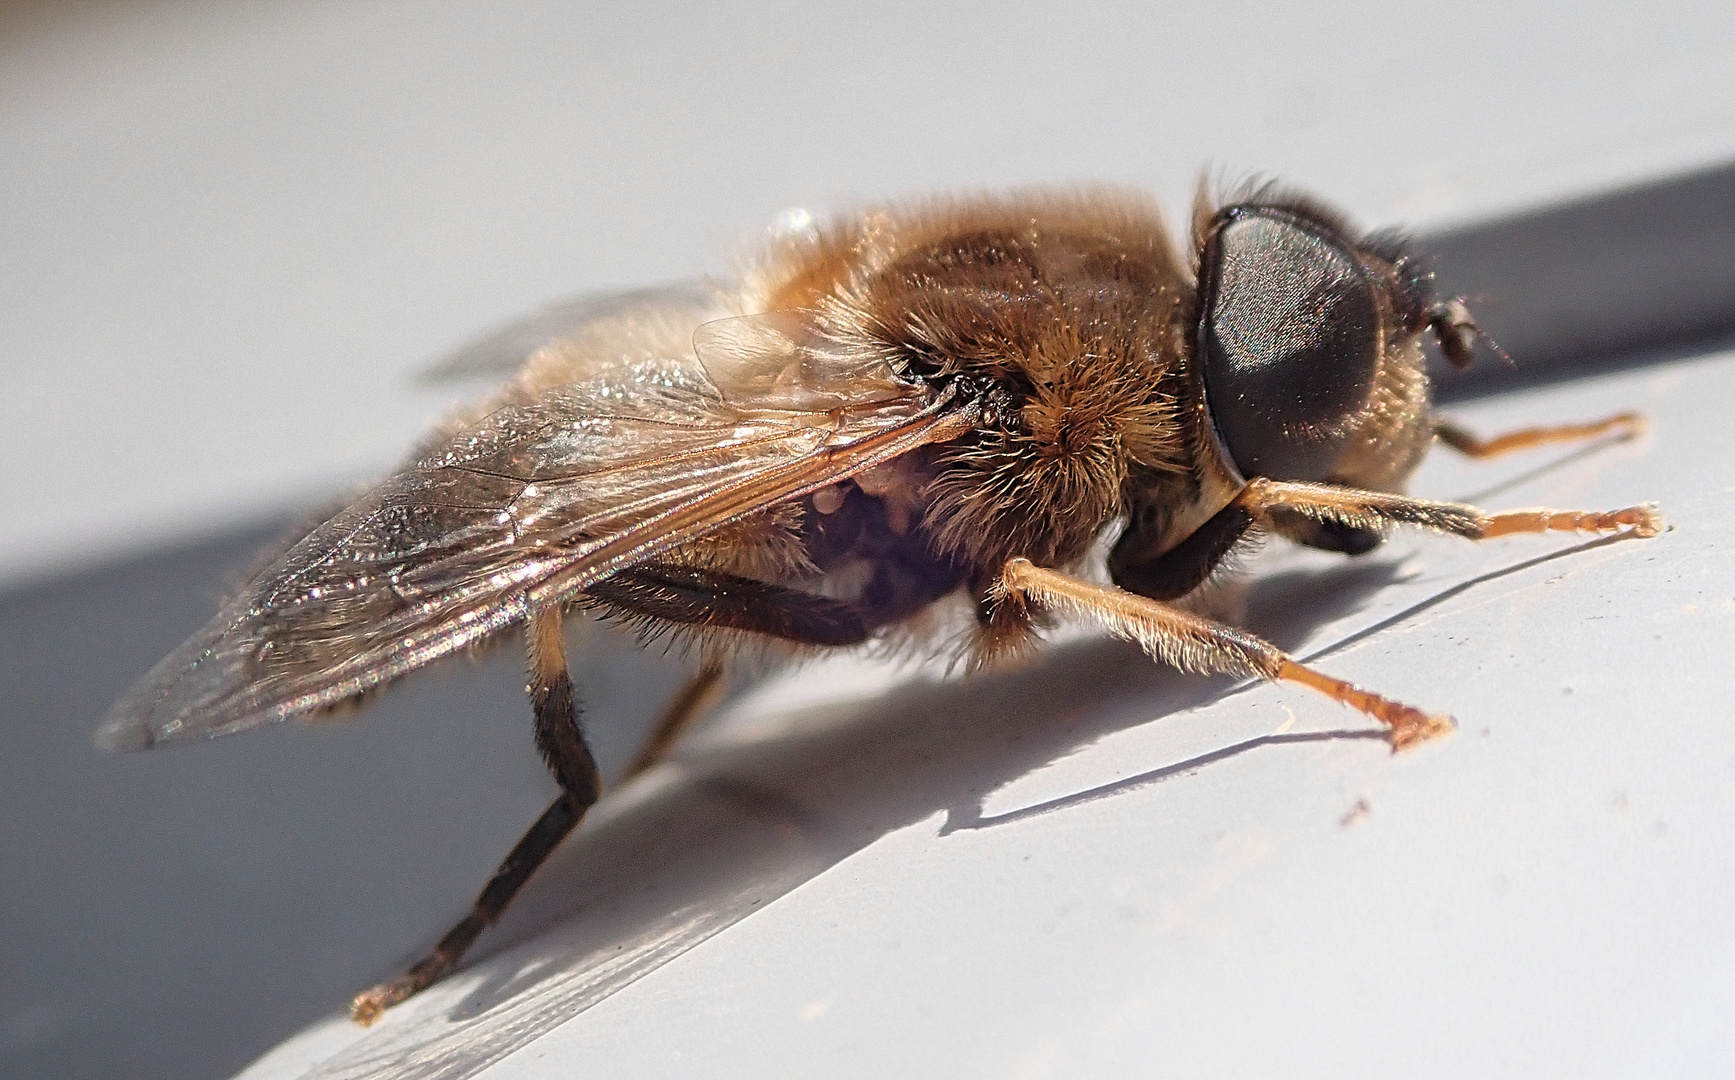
(500, 353)
(525, 508)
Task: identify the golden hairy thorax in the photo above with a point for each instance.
(1074, 303)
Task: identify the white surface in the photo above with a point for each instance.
(233, 230)
(1093, 867)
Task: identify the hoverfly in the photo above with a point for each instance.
(947, 402)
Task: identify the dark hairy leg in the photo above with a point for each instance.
(668, 593)
(561, 741)
(692, 596)
(1184, 567)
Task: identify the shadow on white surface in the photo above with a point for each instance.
(235, 875)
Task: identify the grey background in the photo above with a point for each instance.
(233, 232)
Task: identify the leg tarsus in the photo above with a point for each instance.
(1407, 725)
(1642, 520)
(527, 855)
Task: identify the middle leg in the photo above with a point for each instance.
(1194, 643)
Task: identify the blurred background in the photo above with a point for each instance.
(232, 233)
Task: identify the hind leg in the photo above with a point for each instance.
(561, 742)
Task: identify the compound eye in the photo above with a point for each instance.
(1290, 340)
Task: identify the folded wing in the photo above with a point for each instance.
(501, 352)
(527, 507)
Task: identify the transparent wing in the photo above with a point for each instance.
(528, 507)
(500, 353)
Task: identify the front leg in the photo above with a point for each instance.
(1348, 511)
(1379, 510)
(1329, 535)
(1625, 425)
